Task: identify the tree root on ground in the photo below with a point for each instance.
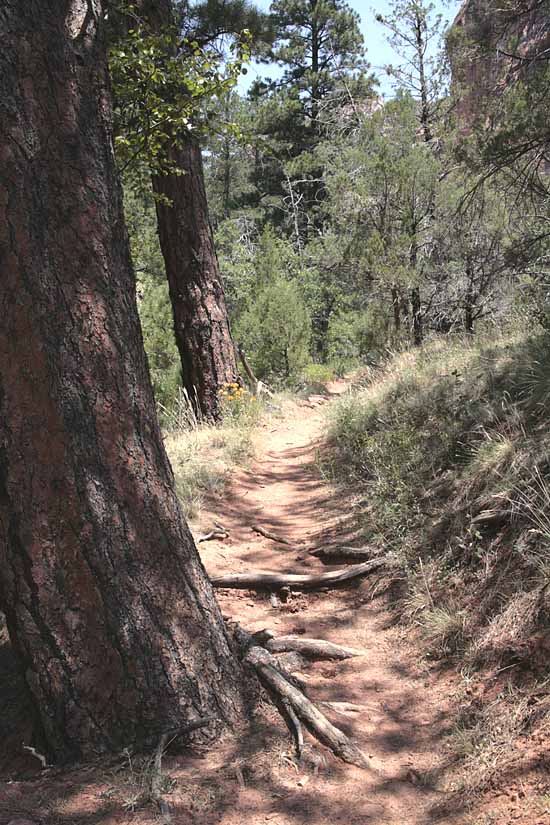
(300, 709)
(287, 693)
(342, 554)
(310, 648)
(263, 580)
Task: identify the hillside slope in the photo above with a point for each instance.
(450, 449)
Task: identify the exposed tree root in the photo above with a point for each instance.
(156, 782)
(268, 535)
(264, 580)
(286, 694)
(310, 648)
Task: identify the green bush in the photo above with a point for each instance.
(317, 374)
(355, 336)
(276, 330)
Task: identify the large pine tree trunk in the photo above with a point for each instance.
(107, 603)
(201, 323)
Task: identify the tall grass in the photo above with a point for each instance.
(203, 454)
(450, 448)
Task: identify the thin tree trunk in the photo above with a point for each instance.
(469, 301)
(314, 68)
(416, 304)
(108, 607)
(226, 158)
(396, 304)
(425, 114)
(417, 324)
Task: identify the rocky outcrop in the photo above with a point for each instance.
(491, 44)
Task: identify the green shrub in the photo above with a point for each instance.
(276, 330)
(317, 374)
(355, 336)
(155, 312)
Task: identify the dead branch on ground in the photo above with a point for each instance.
(258, 386)
(268, 535)
(264, 580)
(156, 781)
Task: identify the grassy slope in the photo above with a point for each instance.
(451, 447)
(202, 454)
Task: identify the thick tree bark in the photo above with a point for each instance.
(201, 323)
(108, 607)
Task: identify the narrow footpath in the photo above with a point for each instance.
(389, 701)
(386, 700)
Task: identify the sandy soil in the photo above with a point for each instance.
(402, 704)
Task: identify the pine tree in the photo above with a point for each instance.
(320, 47)
(416, 37)
(108, 607)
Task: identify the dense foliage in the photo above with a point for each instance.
(348, 222)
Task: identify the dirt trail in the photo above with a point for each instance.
(402, 719)
(399, 720)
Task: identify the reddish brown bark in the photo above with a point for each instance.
(108, 606)
(201, 323)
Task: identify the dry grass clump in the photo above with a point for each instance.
(202, 454)
(484, 736)
(520, 634)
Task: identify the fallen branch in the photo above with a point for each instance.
(42, 759)
(213, 534)
(154, 792)
(264, 580)
(259, 387)
(180, 730)
(268, 535)
(319, 726)
(311, 648)
(352, 554)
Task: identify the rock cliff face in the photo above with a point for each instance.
(491, 44)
